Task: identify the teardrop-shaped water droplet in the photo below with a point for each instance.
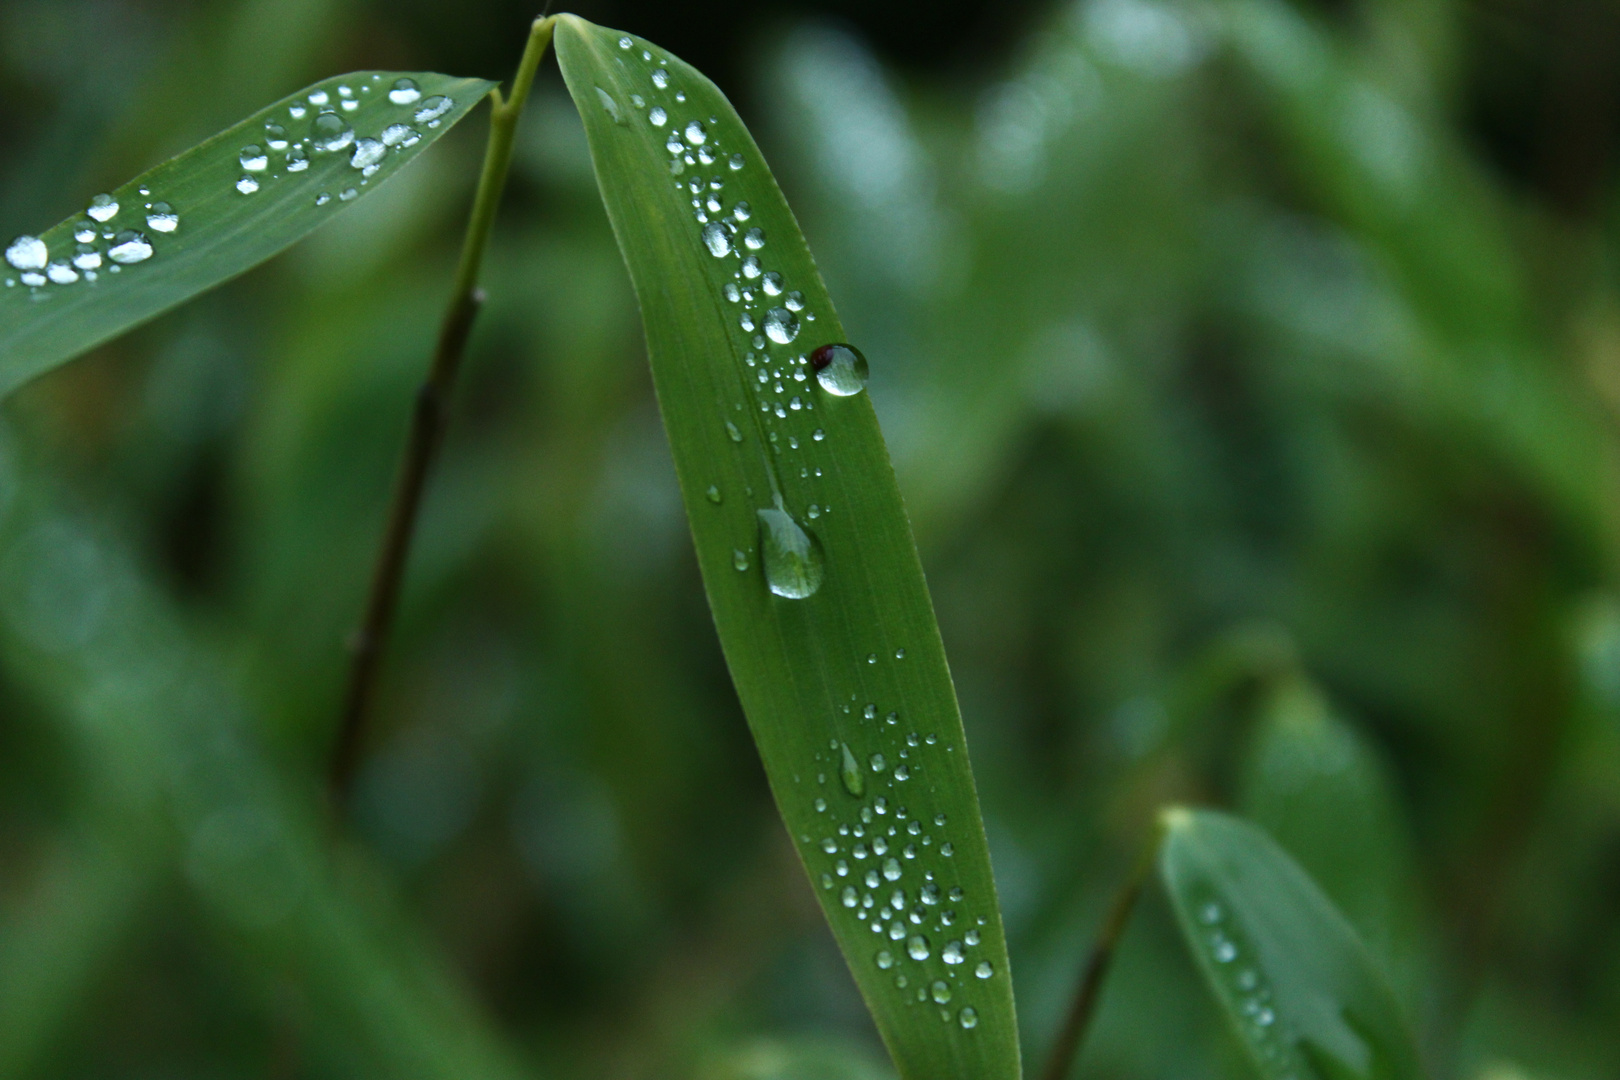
(433, 108)
(792, 557)
(781, 325)
(716, 240)
(850, 773)
(405, 92)
(103, 207)
(28, 253)
(840, 369)
(162, 218)
(129, 247)
(330, 132)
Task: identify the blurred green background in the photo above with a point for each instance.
(1251, 369)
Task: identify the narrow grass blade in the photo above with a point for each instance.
(1300, 989)
(806, 554)
(216, 210)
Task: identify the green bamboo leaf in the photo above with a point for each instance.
(215, 211)
(1322, 792)
(806, 554)
(1300, 989)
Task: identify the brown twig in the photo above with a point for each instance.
(1067, 1047)
(428, 423)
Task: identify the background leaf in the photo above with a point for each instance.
(215, 211)
(1300, 989)
(846, 691)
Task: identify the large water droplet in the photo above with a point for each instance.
(275, 136)
(781, 325)
(103, 207)
(716, 240)
(436, 106)
(840, 369)
(405, 92)
(162, 218)
(28, 253)
(61, 273)
(330, 132)
(850, 772)
(253, 157)
(657, 116)
(695, 133)
(660, 78)
(792, 557)
(129, 247)
(754, 239)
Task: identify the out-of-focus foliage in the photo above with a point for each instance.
(1223, 348)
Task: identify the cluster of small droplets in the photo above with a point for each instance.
(100, 240)
(1221, 938)
(886, 866)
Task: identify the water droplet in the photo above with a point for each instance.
(731, 430)
(247, 185)
(972, 936)
(850, 773)
(773, 284)
(162, 218)
(696, 134)
(319, 97)
(61, 273)
(84, 234)
(347, 195)
(660, 78)
(253, 158)
(781, 326)
(323, 198)
(1210, 914)
(330, 132)
(297, 112)
(751, 268)
(940, 991)
(1222, 949)
(1247, 979)
(716, 240)
(739, 558)
(28, 253)
(929, 894)
(884, 959)
(840, 369)
(297, 160)
(436, 106)
(658, 118)
(984, 970)
(969, 1018)
(917, 947)
(742, 211)
(754, 239)
(129, 247)
(367, 152)
(625, 43)
(821, 808)
(1265, 1017)
(87, 258)
(792, 557)
(841, 868)
(902, 773)
(849, 896)
(947, 849)
(891, 869)
(830, 846)
(394, 134)
(405, 92)
(878, 764)
(872, 881)
(103, 207)
(952, 953)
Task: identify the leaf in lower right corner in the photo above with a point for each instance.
(1300, 989)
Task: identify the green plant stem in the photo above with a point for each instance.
(429, 420)
(1098, 960)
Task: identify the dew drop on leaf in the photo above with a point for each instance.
(27, 253)
(609, 106)
(850, 773)
(791, 556)
(247, 185)
(162, 218)
(695, 133)
(437, 105)
(103, 208)
(405, 92)
(716, 240)
(840, 369)
(367, 152)
(781, 325)
(657, 116)
(61, 273)
(754, 239)
(969, 1018)
(129, 247)
(330, 132)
